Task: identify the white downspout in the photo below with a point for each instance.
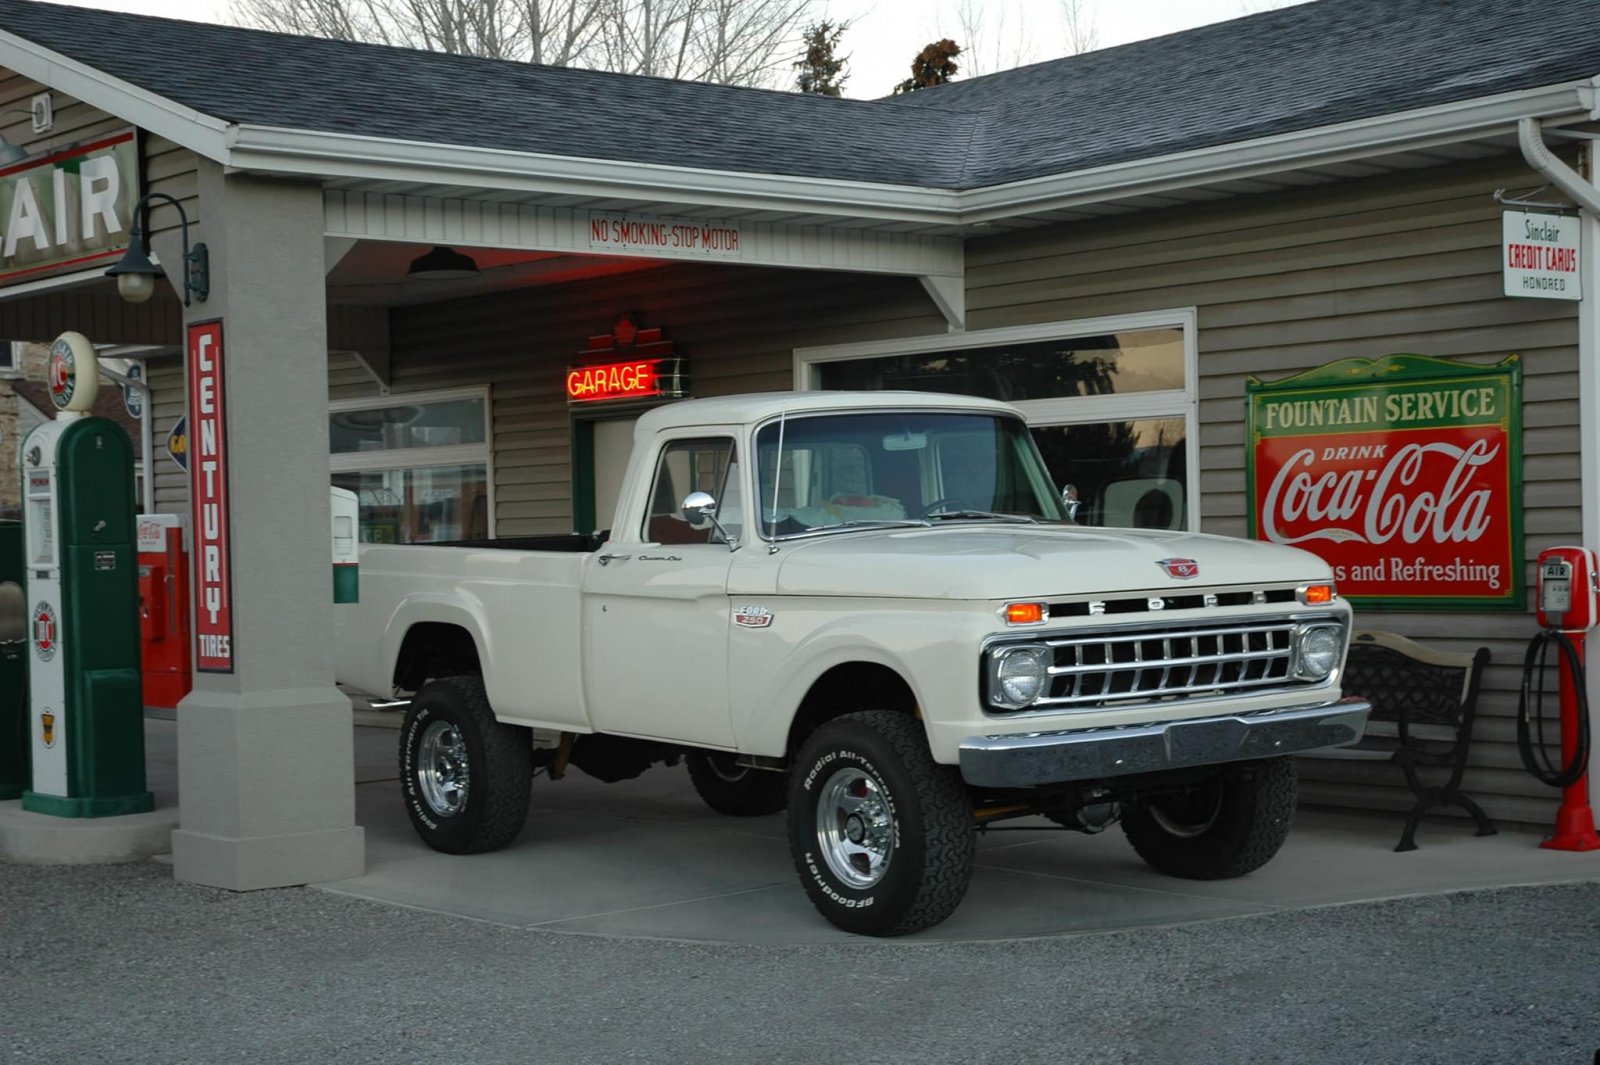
(1584, 193)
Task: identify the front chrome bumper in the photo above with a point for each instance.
(1033, 758)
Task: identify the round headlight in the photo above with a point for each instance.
(1319, 651)
(1020, 675)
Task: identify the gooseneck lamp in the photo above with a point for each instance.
(136, 275)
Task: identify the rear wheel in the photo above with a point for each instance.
(736, 790)
(1227, 826)
(463, 775)
(881, 834)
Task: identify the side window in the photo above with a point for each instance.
(685, 466)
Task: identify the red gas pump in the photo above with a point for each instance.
(164, 608)
(1566, 611)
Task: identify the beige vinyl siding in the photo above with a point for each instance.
(737, 326)
(1287, 282)
(168, 403)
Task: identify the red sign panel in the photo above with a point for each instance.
(208, 474)
(1403, 474)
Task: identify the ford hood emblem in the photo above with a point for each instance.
(1181, 568)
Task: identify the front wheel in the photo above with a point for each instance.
(881, 834)
(464, 776)
(736, 790)
(1223, 827)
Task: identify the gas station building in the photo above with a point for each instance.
(449, 284)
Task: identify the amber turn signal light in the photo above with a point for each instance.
(1317, 594)
(1024, 613)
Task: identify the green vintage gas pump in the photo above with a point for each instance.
(85, 706)
(13, 664)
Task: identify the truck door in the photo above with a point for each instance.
(656, 606)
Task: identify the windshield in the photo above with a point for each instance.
(912, 467)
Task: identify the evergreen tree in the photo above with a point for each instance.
(934, 65)
(821, 72)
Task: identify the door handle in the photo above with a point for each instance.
(604, 559)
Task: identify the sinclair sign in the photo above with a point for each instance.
(1404, 473)
(67, 210)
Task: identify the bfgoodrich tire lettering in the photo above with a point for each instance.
(736, 790)
(890, 849)
(1221, 829)
(464, 777)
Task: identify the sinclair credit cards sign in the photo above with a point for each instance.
(1404, 473)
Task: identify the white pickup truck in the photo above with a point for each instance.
(872, 609)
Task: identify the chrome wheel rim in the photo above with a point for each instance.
(855, 828)
(442, 770)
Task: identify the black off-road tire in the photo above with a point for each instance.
(736, 790)
(1226, 828)
(497, 771)
(930, 862)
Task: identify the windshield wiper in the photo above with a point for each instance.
(1023, 519)
(875, 523)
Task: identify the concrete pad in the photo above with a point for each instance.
(1329, 858)
(39, 839)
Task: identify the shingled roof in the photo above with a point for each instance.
(1281, 71)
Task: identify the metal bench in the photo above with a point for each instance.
(1423, 704)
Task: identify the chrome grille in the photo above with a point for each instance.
(1149, 663)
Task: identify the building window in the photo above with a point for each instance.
(418, 464)
(1111, 402)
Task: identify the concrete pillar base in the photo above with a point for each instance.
(268, 861)
(266, 789)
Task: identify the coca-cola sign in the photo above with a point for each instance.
(1404, 473)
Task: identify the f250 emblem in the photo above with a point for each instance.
(752, 617)
(1180, 568)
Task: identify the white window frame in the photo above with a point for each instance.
(416, 458)
(1070, 410)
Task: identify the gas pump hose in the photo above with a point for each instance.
(1536, 757)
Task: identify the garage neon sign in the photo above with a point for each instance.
(634, 379)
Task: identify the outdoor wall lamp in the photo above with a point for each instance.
(136, 275)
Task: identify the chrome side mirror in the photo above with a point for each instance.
(699, 507)
(1070, 501)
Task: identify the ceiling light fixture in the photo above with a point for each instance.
(442, 264)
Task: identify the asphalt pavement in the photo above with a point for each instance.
(122, 964)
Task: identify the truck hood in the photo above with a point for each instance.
(1005, 561)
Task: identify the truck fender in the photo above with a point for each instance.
(429, 607)
(765, 703)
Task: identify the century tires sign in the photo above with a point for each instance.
(1404, 473)
(208, 485)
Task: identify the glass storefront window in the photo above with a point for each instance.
(1128, 474)
(418, 464)
(441, 423)
(1110, 402)
(1147, 360)
(419, 506)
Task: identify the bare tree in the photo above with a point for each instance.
(1000, 45)
(1079, 32)
(736, 42)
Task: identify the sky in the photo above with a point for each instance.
(884, 35)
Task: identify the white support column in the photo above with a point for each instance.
(265, 762)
